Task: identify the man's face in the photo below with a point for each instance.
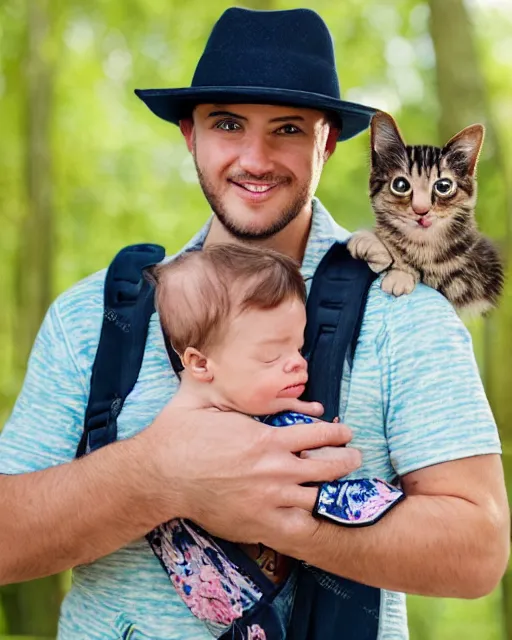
(258, 165)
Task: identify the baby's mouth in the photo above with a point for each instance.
(296, 385)
(292, 391)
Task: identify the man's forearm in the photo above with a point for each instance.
(429, 545)
(75, 513)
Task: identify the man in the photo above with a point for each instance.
(262, 117)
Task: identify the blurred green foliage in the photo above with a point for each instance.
(111, 174)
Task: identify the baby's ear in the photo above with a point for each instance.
(196, 363)
(462, 151)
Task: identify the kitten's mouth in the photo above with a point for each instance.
(425, 222)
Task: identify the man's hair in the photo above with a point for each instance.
(199, 292)
(333, 120)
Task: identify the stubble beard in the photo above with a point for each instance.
(245, 234)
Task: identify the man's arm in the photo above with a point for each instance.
(57, 512)
(449, 538)
(74, 513)
(226, 469)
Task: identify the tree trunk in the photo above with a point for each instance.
(33, 607)
(463, 101)
(33, 284)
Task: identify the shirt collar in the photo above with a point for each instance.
(324, 232)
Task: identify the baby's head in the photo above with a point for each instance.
(236, 317)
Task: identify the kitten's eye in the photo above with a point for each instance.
(401, 187)
(444, 187)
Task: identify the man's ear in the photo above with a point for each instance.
(196, 363)
(330, 145)
(187, 129)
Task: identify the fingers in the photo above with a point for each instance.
(327, 470)
(324, 453)
(301, 497)
(314, 409)
(301, 437)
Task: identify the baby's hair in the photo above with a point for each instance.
(200, 291)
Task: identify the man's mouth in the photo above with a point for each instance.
(254, 187)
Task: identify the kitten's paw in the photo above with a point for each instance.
(398, 282)
(364, 245)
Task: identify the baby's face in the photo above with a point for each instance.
(258, 365)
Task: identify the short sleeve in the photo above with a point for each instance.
(436, 407)
(46, 423)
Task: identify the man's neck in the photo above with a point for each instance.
(291, 241)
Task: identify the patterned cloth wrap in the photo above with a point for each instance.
(356, 502)
(213, 588)
(218, 591)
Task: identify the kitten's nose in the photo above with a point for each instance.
(421, 208)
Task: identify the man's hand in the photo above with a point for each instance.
(238, 478)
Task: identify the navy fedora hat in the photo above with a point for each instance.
(265, 57)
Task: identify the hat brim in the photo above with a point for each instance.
(175, 104)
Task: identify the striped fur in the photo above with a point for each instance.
(422, 234)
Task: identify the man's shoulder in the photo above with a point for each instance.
(83, 301)
(424, 304)
(418, 323)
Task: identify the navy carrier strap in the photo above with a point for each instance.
(335, 309)
(128, 306)
(326, 606)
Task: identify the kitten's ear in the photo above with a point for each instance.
(388, 146)
(463, 149)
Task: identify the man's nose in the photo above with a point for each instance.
(255, 158)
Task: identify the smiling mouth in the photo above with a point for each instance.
(255, 188)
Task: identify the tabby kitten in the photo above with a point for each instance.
(424, 198)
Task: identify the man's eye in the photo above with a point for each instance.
(288, 129)
(227, 125)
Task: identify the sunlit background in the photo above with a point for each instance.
(85, 168)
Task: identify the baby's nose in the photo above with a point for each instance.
(298, 363)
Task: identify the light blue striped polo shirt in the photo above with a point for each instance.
(415, 399)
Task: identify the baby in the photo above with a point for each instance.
(236, 316)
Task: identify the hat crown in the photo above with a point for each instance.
(289, 49)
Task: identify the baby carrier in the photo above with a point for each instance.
(219, 582)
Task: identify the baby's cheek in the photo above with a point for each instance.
(260, 394)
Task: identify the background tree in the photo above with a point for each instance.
(464, 99)
(33, 607)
